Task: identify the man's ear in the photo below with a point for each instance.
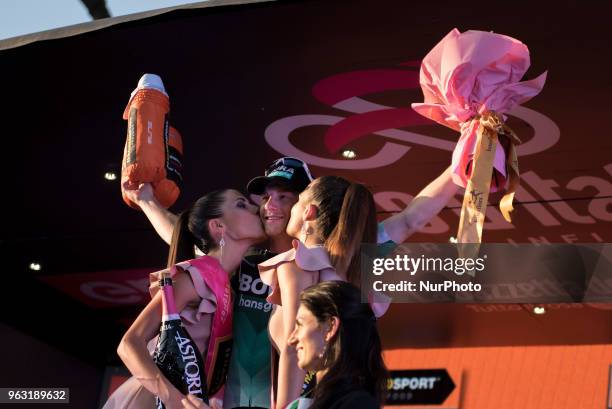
(334, 325)
(311, 212)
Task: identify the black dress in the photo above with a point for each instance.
(355, 399)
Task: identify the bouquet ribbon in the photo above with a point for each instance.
(491, 127)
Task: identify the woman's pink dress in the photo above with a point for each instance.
(314, 261)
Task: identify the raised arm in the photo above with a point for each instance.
(291, 280)
(161, 219)
(421, 209)
(133, 347)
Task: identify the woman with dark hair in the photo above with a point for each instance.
(223, 224)
(331, 219)
(336, 337)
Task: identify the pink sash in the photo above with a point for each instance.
(220, 342)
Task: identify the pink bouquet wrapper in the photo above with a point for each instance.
(467, 75)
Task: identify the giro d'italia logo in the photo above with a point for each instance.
(349, 91)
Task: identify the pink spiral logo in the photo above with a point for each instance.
(347, 92)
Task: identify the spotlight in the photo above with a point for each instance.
(452, 240)
(539, 310)
(110, 176)
(349, 154)
(35, 266)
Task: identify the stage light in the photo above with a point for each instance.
(35, 266)
(539, 310)
(452, 240)
(110, 176)
(349, 154)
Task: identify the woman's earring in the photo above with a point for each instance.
(305, 232)
(323, 357)
(322, 353)
(222, 244)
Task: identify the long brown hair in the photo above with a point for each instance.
(346, 218)
(191, 228)
(353, 357)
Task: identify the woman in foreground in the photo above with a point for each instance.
(336, 337)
